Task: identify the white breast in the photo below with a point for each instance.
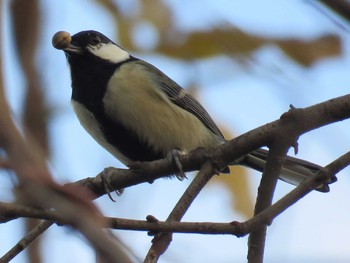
(90, 124)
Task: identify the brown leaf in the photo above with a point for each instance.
(308, 52)
(237, 183)
(217, 41)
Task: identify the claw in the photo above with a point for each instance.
(106, 184)
(173, 157)
(296, 147)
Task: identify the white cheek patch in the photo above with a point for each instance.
(110, 52)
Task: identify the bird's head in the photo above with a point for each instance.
(90, 45)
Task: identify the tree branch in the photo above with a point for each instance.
(233, 228)
(275, 160)
(340, 7)
(28, 239)
(161, 241)
(299, 192)
(298, 121)
(302, 120)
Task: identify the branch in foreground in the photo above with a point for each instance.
(38, 188)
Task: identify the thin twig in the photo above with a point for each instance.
(161, 241)
(26, 241)
(11, 211)
(275, 160)
(299, 192)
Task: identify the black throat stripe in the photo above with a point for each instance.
(89, 84)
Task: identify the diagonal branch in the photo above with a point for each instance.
(340, 7)
(162, 240)
(299, 192)
(275, 160)
(29, 238)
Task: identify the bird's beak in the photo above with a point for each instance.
(71, 49)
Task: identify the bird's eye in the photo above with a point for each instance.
(95, 40)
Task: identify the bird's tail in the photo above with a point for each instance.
(294, 170)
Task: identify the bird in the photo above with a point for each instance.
(137, 113)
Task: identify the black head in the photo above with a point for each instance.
(93, 44)
(87, 38)
(93, 58)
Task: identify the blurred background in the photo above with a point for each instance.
(245, 61)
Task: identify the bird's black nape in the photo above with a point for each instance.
(89, 37)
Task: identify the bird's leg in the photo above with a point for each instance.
(173, 157)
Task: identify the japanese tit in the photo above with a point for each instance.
(138, 113)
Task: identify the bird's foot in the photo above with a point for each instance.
(173, 157)
(105, 177)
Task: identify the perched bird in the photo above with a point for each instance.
(138, 113)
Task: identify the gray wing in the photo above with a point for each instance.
(182, 98)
